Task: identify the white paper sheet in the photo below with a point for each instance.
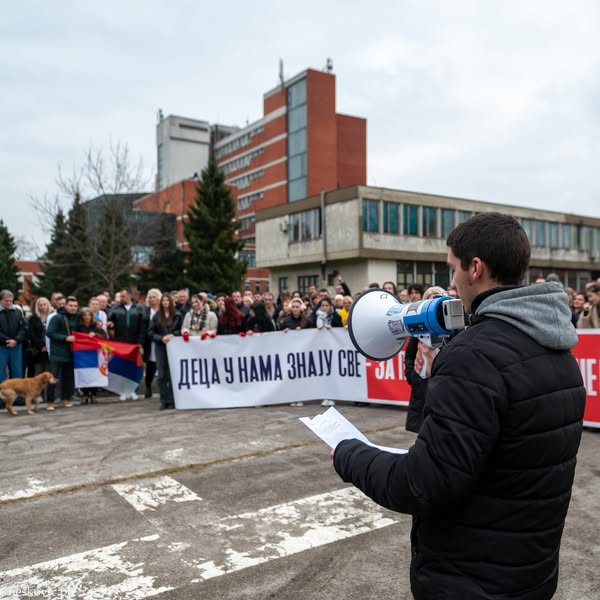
(332, 428)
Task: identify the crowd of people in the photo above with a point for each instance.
(38, 338)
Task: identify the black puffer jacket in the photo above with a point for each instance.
(489, 477)
(129, 325)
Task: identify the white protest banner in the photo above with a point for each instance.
(266, 368)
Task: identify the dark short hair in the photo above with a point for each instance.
(498, 240)
(72, 299)
(416, 287)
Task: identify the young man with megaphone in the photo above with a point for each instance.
(488, 480)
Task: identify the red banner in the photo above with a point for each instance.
(587, 353)
(386, 382)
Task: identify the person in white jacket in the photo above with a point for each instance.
(200, 319)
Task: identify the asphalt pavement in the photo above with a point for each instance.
(121, 500)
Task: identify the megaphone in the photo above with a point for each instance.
(379, 323)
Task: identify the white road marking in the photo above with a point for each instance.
(34, 486)
(154, 492)
(75, 576)
(175, 455)
(127, 571)
(285, 529)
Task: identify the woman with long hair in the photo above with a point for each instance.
(231, 318)
(152, 304)
(38, 353)
(165, 325)
(297, 317)
(259, 321)
(200, 319)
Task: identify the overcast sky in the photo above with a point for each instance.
(495, 100)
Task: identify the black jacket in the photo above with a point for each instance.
(156, 331)
(418, 385)
(489, 477)
(130, 325)
(13, 326)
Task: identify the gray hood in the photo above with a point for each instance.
(540, 310)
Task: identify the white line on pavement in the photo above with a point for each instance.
(134, 569)
(154, 492)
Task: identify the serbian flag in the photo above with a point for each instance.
(99, 362)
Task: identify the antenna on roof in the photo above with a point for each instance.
(281, 72)
(159, 115)
(329, 65)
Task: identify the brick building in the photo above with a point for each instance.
(299, 146)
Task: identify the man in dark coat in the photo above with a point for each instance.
(128, 322)
(13, 332)
(488, 480)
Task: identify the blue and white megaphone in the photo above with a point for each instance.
(379, 323)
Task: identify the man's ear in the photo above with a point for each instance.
(477, 269)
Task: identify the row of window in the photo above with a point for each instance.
(438, 273)
(410, 219)
(428, 221)
(296, 123)
(248, 256)
(246, 222)
(239, 142)
(305, 226)
(244, 181)
(241, 162)
(246, 201)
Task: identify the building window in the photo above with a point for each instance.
(297, 166)
(390, 217)
(297, 142)
(405, 274)
(297, 118)
(425, 273)
(283, 283)
(297, 189)
(539, 229)
(141, 254)
(245, 202)
(245, 223)
(296, 126)
(305, 226)
(305, 281)
(462, 216)
(553, 235)
(410, 214)
(296, 94)
(565, 236)
(527, 225)
(249, 257)
(447, 222)
(430, 221)
(370, 215)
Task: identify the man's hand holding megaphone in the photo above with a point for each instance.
(424, 359)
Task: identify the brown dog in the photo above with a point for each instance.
(30, 388)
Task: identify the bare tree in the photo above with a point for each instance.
(104, 172)
(103, 175)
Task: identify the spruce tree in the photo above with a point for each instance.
(8, 265)
(111, 264)
(212, 261)
(76, 276)
(166, 268)
(51, 278)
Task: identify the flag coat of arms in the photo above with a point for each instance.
(99, 362)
